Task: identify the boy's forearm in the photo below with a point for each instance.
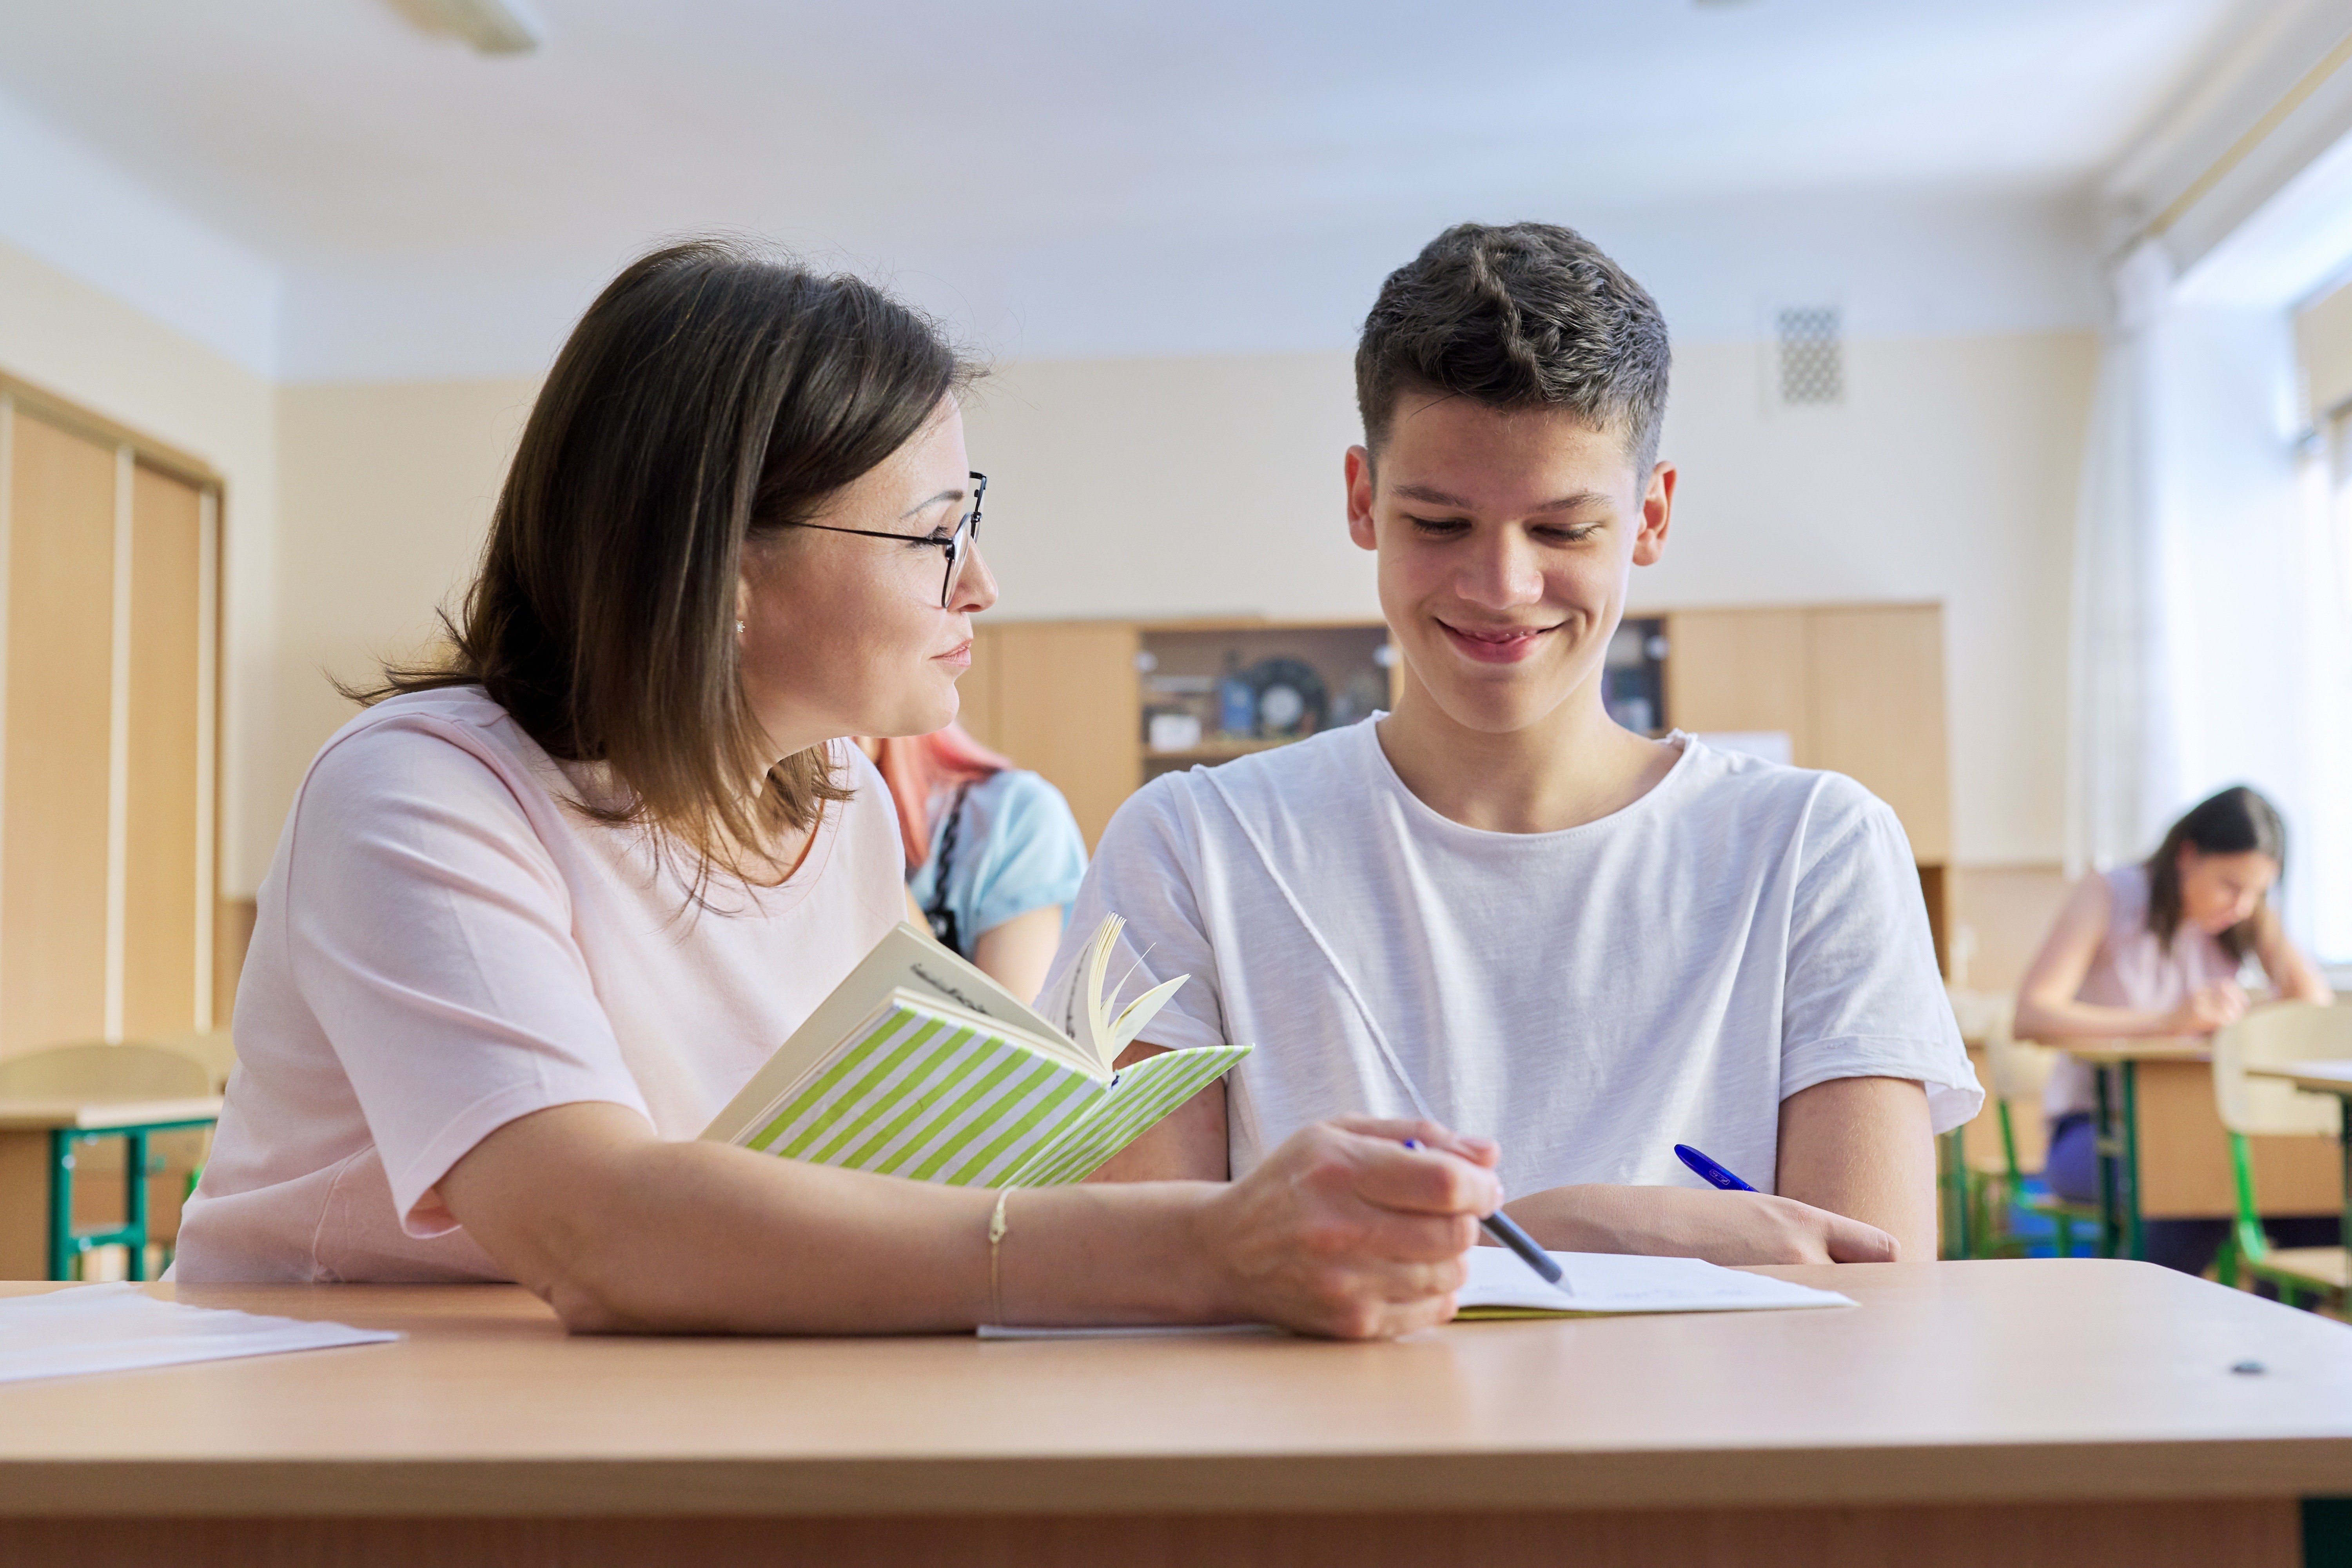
(1187, 1145)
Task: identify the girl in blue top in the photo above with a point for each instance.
(994, 856)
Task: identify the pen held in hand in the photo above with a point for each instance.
(1505, 1230)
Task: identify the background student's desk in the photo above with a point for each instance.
(2164, 1153)
(2082, 1412)
(37, 1142)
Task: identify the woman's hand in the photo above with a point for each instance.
(1729, 1228)
(2211, 1008)
(1346, 1232)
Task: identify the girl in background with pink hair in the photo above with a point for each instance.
(994, 856)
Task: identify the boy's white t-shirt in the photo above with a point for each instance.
(1588, 998)
(444, 944)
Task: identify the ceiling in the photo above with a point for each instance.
(973, 142)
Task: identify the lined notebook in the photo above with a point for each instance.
(1500, 1286)
(918, 1065)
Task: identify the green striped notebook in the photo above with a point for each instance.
(920, 1066)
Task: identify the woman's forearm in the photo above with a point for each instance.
(2054, 1021)
(619, 1231)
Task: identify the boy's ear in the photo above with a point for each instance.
(1657, 511)
(1359, 499)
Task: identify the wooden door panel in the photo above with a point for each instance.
(1739, 670)
(160, 916)
(54, 814)
(1068, 706)
(1877, 688)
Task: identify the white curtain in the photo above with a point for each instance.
(2123, 762)
(2327, 583)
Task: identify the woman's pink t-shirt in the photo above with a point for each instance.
(444, 944)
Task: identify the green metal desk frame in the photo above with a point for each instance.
(67, 1244)
(2121, 1232)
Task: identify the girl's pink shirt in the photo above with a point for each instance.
(445, 943)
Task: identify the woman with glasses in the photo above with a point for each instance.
(542, 909)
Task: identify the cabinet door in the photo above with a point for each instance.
(1739, 670)
(167, 812)
(977, 690)
(54, 815)
(1066, 704)
(1877, 684)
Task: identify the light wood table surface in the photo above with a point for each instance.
(52, 1115)
(2320, 1077)
(2081, 1412)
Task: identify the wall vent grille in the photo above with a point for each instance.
(1811, 349)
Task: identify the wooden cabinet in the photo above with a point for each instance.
(1858, 689)
(1060, 697)
(107, 800)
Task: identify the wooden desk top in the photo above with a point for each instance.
(1950, 1382)
(2320, 1077)
(43, 1115)
(2153, 1048)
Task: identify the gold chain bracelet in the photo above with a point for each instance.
(995, 1278)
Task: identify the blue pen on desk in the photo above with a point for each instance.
(1505, 1230)
(1714, 1174)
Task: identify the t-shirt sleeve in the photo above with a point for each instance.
(427, 929)
(1146, 870)
(1864, 998)
(1037, 856)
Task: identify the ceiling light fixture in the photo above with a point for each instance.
(490, 26)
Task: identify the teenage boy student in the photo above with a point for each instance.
(1494, 907)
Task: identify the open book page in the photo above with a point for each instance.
(1080, 1005)
(904, 959)
(1608, 1282)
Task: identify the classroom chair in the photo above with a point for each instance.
(2275, 1035)
(96, 1072)
(2019, 1069)
(214, 1047)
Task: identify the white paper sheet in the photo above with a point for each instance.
(119, 1328)
(1622, 1282)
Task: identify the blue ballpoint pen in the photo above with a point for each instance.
(1505, 1230)
(1714, 1175)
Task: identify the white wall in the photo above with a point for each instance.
(89, 346)
(387, 491)
(1951, 474)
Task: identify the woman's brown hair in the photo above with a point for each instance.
(712, 394)
(2231, 823)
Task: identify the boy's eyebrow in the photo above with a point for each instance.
(1436, 497)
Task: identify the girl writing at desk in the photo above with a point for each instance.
(543, 909)
(2155, 949)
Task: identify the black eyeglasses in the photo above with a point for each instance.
(953, 546)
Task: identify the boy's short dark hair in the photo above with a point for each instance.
(1525, 315)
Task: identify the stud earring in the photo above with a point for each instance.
(739, 628)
